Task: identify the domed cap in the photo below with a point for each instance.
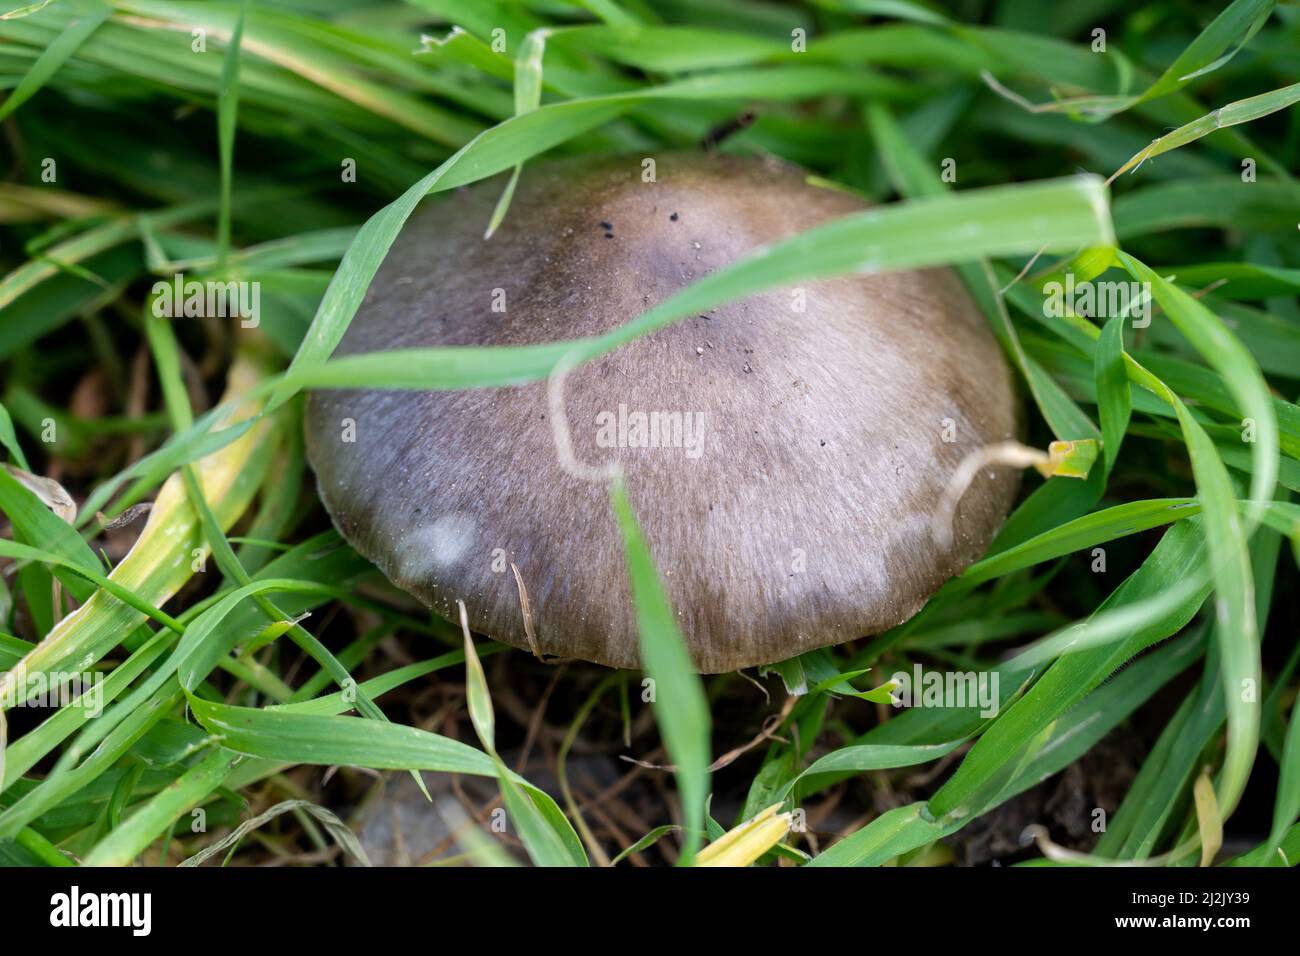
(785, 454)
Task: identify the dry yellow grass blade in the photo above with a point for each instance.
(747, 842)
(1208, 819)
(33, 204)
(415, 114)
(171, 549)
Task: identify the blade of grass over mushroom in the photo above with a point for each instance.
(495, 150)
(680, 708)
(913, 176)
(525, 138)
(1058, 214)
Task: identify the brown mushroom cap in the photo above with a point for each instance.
(802, 516)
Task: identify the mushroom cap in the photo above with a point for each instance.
(793, 507)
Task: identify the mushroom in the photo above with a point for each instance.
(785, 453)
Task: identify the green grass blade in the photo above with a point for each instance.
(1223, 352)
(545, 846)
(9, 440)
(1235, 113)
(140, 829)
(227, 114)
(1287, 807)
(1179, 555)
(1114, 401)
(679, 705)
(77, 32)
(1059, 214)
(290, 737)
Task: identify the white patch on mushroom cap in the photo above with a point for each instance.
(436, 546)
